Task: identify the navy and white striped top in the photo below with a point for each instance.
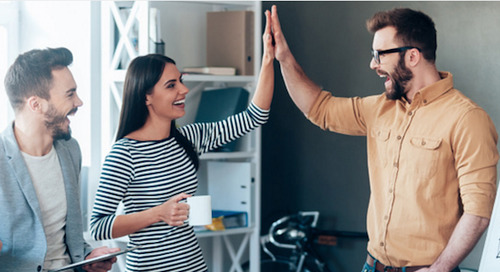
(145, 174)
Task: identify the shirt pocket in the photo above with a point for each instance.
(379, 152)
(424, 156)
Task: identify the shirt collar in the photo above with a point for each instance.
(428, 94)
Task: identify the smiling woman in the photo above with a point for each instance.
(152, 166)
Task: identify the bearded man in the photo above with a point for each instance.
(432, 152)
(41, 222)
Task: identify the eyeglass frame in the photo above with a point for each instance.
(376, 53)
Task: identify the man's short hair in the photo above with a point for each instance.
(31, 74)
(414, 28)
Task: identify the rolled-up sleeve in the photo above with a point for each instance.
(476, 157)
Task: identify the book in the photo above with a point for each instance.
(222, 71)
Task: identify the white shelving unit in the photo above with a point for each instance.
(124, 36)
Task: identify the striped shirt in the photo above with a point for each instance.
(145, 174)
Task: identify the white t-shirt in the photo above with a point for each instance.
(46, 174)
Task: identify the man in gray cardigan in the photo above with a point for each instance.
(41, 223)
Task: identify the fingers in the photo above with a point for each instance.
(275, 21)
(267, 38)
(179, 214)
(179, 209)
(177, 223)
(174, 212)
(103, 266)
(267, 30)
(276, 27)
(281, 50)
(179, 197)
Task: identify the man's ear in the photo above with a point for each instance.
(414, 57)
(34, 103)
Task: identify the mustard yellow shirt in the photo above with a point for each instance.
(429, 162)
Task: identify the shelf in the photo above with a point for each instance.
(225, 3)
(209, 233)
(213, 78)
(200, 234)
(226, 155)
(119, 76)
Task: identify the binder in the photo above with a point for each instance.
(218, 104)
(222, 220)
(231, 219)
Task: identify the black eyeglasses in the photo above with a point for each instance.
(376, 54)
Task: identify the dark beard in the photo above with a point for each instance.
(59, 134)
(53, 121)
(400, 79)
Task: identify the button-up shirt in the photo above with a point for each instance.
(429, 162)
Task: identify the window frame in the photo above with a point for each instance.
(9, 19)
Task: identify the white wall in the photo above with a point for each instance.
(76, 26)
(63, 24)
(8, 49)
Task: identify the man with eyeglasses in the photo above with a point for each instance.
(432, 152)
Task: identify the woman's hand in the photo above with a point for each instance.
(267, 40)
(172, 212)
(265, 85)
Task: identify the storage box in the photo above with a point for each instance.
(229, 185)
(230, 41)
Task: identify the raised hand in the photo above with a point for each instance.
(281, 49)
(267, 40)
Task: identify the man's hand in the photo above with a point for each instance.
(100, 266)
(281, 49)
(463, 239)
(301, 88)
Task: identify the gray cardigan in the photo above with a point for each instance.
(21, 229)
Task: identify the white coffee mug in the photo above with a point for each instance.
(200, 210)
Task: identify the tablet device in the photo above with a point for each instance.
(94, 260)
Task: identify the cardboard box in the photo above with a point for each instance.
(230, 40)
